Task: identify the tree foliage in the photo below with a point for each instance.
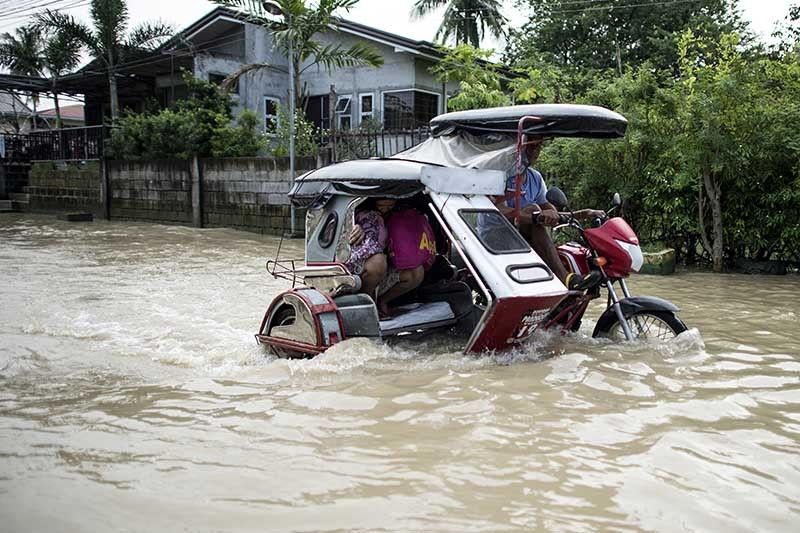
(36, 51)
(108, 39)
(614, 34)
(479, 80)
(711, 159)
(199, 125)
(465, 21)
(306, 134)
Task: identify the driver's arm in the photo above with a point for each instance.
(525, 215)
(583, 214)
(548, 215)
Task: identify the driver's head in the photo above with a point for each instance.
(533, 147)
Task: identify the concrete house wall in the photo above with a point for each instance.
(402, 70)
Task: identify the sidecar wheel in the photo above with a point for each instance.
(661, 325)
(284, 317)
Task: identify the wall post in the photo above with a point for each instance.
(105, 188)
(197, 192)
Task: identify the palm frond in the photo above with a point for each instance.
(149, 35)
(423, 7)
(253, 10)
(22, 52)
(57, 21)
(230, 82)
(110, 19)
(335, 56)
(62, 53)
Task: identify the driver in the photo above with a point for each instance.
(536, 213)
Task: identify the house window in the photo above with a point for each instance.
(318, 111)
(218, 79)
(367, 109)
(271, 113)
(409, 109)
(344, 116)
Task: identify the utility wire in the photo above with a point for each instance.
(33, 7)
(624, 6)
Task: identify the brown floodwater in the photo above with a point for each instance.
(134, 397)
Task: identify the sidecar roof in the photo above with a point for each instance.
(551, 120)
(379, 177)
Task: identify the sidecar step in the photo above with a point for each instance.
(416, 317)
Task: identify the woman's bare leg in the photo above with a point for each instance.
(409, 280)
(373, 273)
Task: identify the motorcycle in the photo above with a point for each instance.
(604, 255)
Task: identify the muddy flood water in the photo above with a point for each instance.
(133, 397)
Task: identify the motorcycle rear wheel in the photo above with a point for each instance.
(659, 325)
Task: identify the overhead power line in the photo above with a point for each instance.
(623, 6)
(32, 7)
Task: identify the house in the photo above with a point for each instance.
(401, 94)
(15, 115)
(71, 116)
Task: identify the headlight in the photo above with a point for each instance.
(637, 259)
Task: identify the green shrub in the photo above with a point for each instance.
(199, 125)
(306, 135)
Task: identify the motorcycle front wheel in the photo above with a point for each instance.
(659, 325)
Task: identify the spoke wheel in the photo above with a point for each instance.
(658, 325)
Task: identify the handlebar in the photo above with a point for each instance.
(562, 219)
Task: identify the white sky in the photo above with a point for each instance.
(387, 15)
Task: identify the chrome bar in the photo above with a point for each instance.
(618, 310)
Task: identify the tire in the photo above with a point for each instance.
(667, 325)
(284, 317)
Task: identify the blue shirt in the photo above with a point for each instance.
(533, 191)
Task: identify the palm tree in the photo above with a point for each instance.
(61, 55)
(465, 20)
(22, 55)
(106, 39)
(296, 30)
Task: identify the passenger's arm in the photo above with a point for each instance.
(356, 235)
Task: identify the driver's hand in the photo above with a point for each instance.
(596, 213)
(356, 235)
(548, 217)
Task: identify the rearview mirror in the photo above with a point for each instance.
(616, 201)
(557, 197)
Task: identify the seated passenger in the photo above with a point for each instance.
(368, 244)
(412, 252)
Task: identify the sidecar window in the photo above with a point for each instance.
(494, 231)
(328, 232)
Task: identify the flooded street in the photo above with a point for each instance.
(133, 397)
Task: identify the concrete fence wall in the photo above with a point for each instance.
(62, 186)
(153, 190)
(243, 193)
(249, 193)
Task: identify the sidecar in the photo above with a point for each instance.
(487, 288)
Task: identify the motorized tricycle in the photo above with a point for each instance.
(488, 287)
